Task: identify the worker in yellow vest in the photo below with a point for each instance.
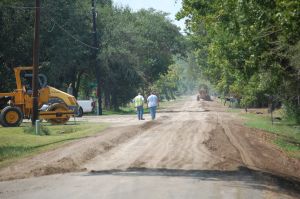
(139, 105)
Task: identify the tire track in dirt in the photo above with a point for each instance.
(126, 154)
(234, 141)
(185, 153)
(177, 142)
(256, 152)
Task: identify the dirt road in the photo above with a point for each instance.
(193, 148)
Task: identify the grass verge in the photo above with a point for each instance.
(131, 110)
(21, 141)
(288, 133)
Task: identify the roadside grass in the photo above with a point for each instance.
(166, 104)
(131, 110)
(128, 110)
(288, 133)
(234, 110)
(22, 141)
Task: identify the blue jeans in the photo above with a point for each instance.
(153, 112)
(140, 112)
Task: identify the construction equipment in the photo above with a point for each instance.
(17, 105)
(203, 93)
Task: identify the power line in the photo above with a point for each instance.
(72, 36)
(50, 30)
(20, 7)
(33, 8)
(55, 23)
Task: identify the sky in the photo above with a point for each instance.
(168, 6)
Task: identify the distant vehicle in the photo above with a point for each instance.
(85, 106)
(203, 93)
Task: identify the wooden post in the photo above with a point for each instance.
(95, 61)
(36, 43)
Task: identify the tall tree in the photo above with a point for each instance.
(246, 43)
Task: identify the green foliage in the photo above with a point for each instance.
(135, 53)
(288, 146)
(15, 41)
(292, 112)
(135, 49)
(247, 49)
(7, 81)
(167, 84)
(183, 77)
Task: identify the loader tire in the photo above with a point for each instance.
(58, 107)
(80, 112)
(11, 116)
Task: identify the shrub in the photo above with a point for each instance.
(31, 130)
(292, 112)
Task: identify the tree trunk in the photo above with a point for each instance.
(107, 99)
(72, 75)
(115, 101)
(99, 95)
(172, 95)
(298, 89)
(77, 85)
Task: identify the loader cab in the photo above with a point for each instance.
(26, 84)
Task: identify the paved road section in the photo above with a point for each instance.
(158, 184)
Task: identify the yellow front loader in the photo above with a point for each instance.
(17, 105)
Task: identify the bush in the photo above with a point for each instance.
(31, 130)
(292, 112)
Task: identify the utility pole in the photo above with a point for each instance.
(36, 43)
(95, 61)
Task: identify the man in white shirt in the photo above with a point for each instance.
(152, 104)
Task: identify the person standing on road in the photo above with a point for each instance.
(70, 89)
(152, 104)
(139, 105)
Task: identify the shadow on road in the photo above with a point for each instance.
(252, 178)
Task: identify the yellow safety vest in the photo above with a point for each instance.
(138, 101)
